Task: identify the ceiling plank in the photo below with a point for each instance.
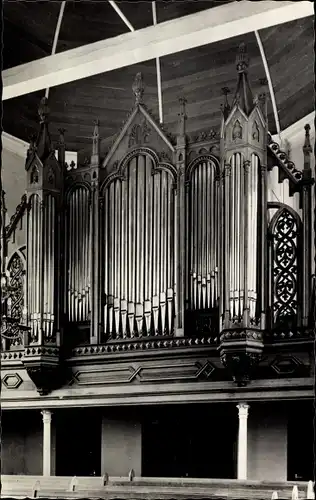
(185, 33)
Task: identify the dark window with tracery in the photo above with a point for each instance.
(285, 275)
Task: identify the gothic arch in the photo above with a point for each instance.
(285, 261)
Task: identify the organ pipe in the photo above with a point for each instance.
(78, 255)
(41, 247)
(202, 200)
(139, 229)
(241, 236)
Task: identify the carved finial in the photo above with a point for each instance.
(307, 150)
(225, 108)
(307, 144)
(61, 135)
(138, 88)
(131, 474)
(43, 110)
(243, 96)
(95, 143)
(61, 147)
(182, 115)
(242, 59)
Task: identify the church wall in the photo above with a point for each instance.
(121, 442)
(267, 442)
(21, 443)
(13, 179)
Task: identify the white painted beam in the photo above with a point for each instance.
(270, 84)
(57, 30)
(158, 70)
(170, 37)
(122, 16)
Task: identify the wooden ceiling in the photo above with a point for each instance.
(197, 74)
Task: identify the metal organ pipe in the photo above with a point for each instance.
(202, 232)
(139, 225)
(78, 252)
(252, 257)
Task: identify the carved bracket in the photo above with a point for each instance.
(43, 367)
(241, 353)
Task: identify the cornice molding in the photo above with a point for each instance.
(155, 393)
(295, 132)
(14, 145)
(20, 147)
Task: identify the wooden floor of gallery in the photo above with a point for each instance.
(145, 488)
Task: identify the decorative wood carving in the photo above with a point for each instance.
(139, 134)
(237, 131)
(285, 264)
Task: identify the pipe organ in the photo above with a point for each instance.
(127, 247)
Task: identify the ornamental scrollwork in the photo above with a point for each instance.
(285, 269)
(16, 281)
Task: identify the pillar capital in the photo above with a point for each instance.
(47, 416)
(243, 410)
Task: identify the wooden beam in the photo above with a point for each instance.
(208, 26)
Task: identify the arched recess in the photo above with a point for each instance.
(202, 230)
(139, 252)
(285, 259)
(78, 254)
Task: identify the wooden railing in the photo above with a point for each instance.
(146, 488)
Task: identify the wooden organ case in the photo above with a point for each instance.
(165, 241)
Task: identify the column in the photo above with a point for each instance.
(47, 442)
(242, 441)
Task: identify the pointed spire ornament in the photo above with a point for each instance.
(43, 110)
(243, 96)
(95, 144)
(61, 147)
(307, 148)
(182, 116)
(225, 108)
(242, 58)
(138, 88)
(43, 143)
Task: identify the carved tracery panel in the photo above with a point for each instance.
(285, 230)
(78, 254)
(16, 271)
(139, 280)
